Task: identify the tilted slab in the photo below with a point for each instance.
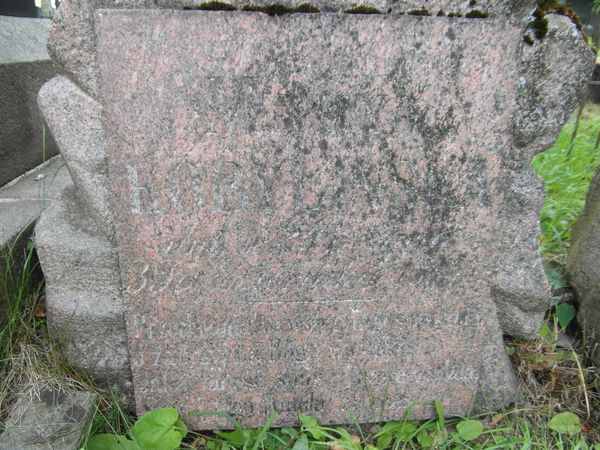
(310, 209)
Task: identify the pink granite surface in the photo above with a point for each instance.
(306, 207)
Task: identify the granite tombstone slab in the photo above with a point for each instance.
(307, 208)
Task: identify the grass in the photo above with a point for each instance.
(555, 382)
(567, 169)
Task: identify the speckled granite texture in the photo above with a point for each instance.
(308, 207)
(323, 213)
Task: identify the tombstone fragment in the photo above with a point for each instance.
(329, 213)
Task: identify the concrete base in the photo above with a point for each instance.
(50, 419)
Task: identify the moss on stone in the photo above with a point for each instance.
(528, 40)
(453, 14)
(363, 10)
(276, 9)
(306, 8)
(216, 6)
(419, 12)
(477, 14)
(554, 7)
(440, 13)
(539, 24)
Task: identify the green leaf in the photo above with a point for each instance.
(385, 435)
(564, 313)
(425, 439)
(469, 429)
(311, 425)
(544, 329)
(111, 442)
(405, 431)
(181, 427)
(236, 437)
(565, 422)
(301, 443)
(263, 433)
(557, 280)
(156, 430)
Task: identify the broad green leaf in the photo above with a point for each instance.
(344, 435)
(544, 329)
(565, 422)
(181, 427)
(564, 313)
(385, 435)
(405, 431)
(291, 432)
(155, 430)
(312, 426)
(425, 439)
(469, 429)
(111, 442)
(301, 443)
(212, 445)
(384, 439)
(236, 437)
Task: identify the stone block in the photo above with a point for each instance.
(314, 212)
(315, 207)
(52, 418)
(83, 293)
(24, 67)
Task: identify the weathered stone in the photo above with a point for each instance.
(74, 119)
(72, 41)
(24, 67)
(331, 204)
(53, 418)
(562, 60)
(83, 294)
(21, 202)
(583, 268)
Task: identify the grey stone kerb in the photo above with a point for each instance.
(81, 230)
